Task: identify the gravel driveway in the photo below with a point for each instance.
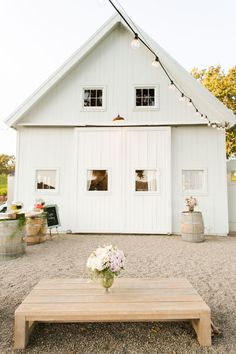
(209, 266)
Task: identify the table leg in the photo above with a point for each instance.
(202, 327)
(21, 334)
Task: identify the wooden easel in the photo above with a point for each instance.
(50, 232)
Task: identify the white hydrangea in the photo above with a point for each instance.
(106, 258)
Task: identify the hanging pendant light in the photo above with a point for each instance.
(118, 119)
(135, 44)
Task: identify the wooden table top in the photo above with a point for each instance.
(130, 299)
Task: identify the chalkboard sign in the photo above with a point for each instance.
(52, 216)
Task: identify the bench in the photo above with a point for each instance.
(130, 300)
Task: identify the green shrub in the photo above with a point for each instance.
(3, 185)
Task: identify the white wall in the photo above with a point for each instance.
(192, 148)
(115, 65)
(231, 166)
(42, 148)
(201, 148)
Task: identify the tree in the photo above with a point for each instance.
(223, 86)
(7, 164)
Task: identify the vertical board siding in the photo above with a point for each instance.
(47, 148)
(201, 148)
(115, 65)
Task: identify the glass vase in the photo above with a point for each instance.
(107, 281)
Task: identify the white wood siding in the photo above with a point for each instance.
(115, 65)
(41, 148)
(201, 148)
(231, 166)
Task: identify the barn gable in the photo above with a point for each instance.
(108, 61)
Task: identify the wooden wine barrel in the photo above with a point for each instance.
(36, 229)
(192, 227)
(12, 244)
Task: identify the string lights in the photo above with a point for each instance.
(135, 44)
(156, 62)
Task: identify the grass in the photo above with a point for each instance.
(3, 184)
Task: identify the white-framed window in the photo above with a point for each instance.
(47, 180)
(194, 181)
(146, 97)
(97, 180)
(146, 181)
(93, 98)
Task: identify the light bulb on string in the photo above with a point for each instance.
(214, 125)
(203, 117)
(171, 85)
(182, 97)
(135, 44)
(198, 113)
(189, 102)
(156, 62)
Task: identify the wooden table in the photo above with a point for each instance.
(130, 300)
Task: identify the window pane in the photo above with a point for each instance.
(145, 97)
(99, 102)
(97, 180)
(145, 180)
(99, 93)
(151, 92)
(93, 97)
(93, 93)
(86, 103)
(138, 101)
(86, 94)
(233, 176)
(138, 93)
(93, 102)
(151, 101)
(45, 179)
(145, 92)
(192, 180)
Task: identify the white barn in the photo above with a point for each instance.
(129, 176)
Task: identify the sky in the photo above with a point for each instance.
(37, 36)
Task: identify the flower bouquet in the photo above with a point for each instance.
(191, 202)
(106, 263)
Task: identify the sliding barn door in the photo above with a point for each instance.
(99, 182)
(123, 180)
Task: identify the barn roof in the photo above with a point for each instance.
(203, 99)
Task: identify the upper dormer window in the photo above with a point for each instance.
(93, 98)
(146, 97)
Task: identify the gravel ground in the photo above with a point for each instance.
(209, 266)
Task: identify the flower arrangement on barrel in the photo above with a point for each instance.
(191, 202)
(105, 263)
